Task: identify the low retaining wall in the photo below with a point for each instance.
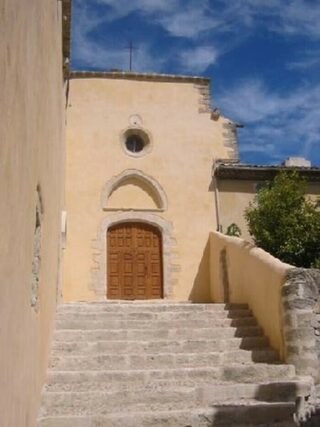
(243, 273)
(284, 299)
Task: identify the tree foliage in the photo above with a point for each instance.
(284, 222)
(233, 230)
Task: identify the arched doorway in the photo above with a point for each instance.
(134, 261)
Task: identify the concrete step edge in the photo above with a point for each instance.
(302, 387)
(149, 303)
(213, 330)
(230, 407)
(268, 350)
(167, 353)
(172, 370)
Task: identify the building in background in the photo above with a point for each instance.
(237, 184)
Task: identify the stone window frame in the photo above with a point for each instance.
(117, 180)
(99, 272)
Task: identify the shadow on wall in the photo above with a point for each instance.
(224, 274)
(201, 286)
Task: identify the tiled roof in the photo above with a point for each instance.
(261, 172)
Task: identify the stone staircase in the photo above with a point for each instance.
(152, 364)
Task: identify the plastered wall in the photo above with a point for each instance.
(31, 155)
(183, 144)
(243, 273)
(236, 195)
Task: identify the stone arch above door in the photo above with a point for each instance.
(151, 198)
(99, 245)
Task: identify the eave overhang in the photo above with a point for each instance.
(262, 173)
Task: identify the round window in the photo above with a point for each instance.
(134, 143)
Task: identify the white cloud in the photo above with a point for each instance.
(196, 21)
(189, 22)
(92, 53)
(180, 18)
(193, 18)
(95, 54)
(306, 60)
(198, 59)
(249, 102)
(300, 17)
(103, 57)
(122, 8)
(297, 17)
(290, 122)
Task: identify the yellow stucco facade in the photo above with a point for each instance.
(168, 185)
(32, 179)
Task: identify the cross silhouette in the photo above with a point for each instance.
(131, 48)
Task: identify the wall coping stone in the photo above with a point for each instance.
(127, 75)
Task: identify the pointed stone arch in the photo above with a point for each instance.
(155, 190)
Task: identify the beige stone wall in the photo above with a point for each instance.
(235, 196)
(243, 273)
(183, 144)
(31, 155)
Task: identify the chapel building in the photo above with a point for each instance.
(139, 192)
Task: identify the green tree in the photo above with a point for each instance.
(233, 230)
(284, 222)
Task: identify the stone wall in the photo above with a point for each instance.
(301, 318)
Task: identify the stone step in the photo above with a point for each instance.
(147, 307)
(110, 380)
(218, 416)
(236, 373)
(144, 400)
(67, 343)
(153, 315)
(162, 364)
(103, 361)
(149, 334)
(98, 323)
(59, 381)
(234, 414)
(62, 350)
(101, 403)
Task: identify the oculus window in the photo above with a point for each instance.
(136, 142)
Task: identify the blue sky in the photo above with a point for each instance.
(263, 57)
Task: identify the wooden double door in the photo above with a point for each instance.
(134, 262)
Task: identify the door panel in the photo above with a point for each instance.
(134, 262)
